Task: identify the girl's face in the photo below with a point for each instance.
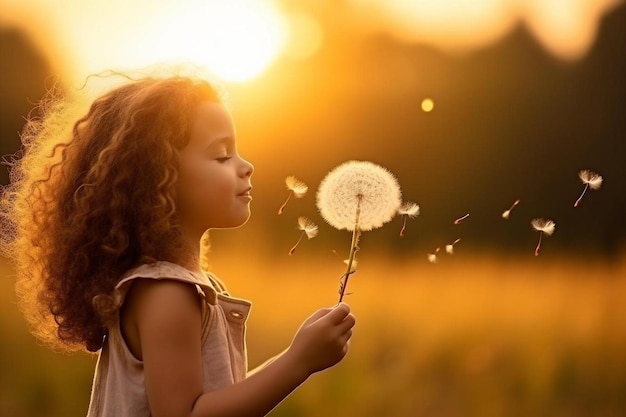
(213, 189)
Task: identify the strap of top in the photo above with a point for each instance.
(208, 287)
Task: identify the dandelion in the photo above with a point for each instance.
(308, 228)
(432, 257)
(591, 180)
(296, 188)
(507, 213)
(460, 219)
(408, 210)
(450, 247)
(357, 196)
(542, 226)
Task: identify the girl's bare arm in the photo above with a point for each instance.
(167, 319)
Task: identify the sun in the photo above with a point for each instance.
(236, 39)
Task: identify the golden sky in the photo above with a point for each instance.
(239, 39)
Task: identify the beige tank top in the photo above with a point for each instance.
(118, 386)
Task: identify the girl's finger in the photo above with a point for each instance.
(318, 315)
(347, 324)
(339, 313)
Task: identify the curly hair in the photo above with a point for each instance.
(93, 196)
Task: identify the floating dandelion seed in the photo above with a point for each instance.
(542, 226)
(432, 257)
(507, 213)
(357, 196)
(408, 210)
(460, 219)
(354, 264)
(308, 228)
(345, 261)
(296, 188)
(450, 247)
(591, 180)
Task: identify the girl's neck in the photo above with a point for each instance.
(191, 261)
(191, 257)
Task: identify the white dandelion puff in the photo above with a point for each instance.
(450, 247)
(296, 188)
(591, 180)
(308, 228)
(358, 196)
(542, 226)
(507, 213)
(358, 186)
(408, 210)
(432, 257)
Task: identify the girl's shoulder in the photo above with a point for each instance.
(163, 270)
(160, 270)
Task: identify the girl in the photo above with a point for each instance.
(107, 222)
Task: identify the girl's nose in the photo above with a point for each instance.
(247, 168)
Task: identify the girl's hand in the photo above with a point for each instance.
(322, 340)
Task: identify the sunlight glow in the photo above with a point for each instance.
(235, 39)
(567, 28)
(238, 40)
(305, 36)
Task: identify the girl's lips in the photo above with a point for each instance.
(246, 193)
(245, 197)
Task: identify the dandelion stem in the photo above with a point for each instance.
(538, 244)
(282, 208)
(293, 249)
(353, 248)
(581, 196)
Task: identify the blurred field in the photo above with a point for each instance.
(476, 337)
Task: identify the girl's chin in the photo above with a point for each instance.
(235, 224)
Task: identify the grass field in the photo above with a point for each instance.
(475, 337)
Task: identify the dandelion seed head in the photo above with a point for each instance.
(363, 185)
(409, 209)
(307, 226)
(591, 178)
(542, 225)
(297, 187)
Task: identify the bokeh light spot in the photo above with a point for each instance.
(428, 105)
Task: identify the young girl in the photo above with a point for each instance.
(105, 220)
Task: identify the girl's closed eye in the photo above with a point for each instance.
(224, 159)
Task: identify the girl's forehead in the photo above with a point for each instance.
(213, 112)
(212, 120)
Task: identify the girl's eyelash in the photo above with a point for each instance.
(224, 158)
